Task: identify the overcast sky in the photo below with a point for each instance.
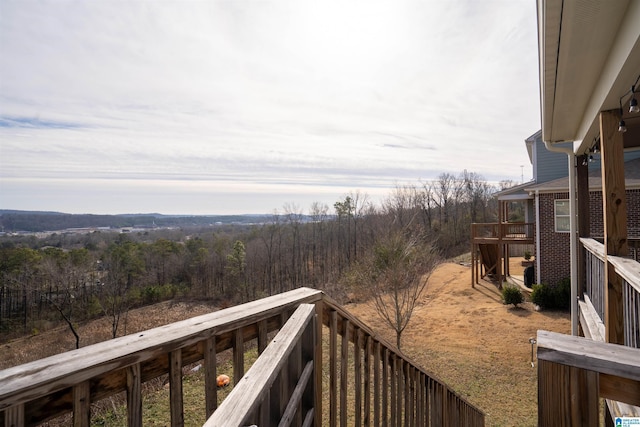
(243, 106)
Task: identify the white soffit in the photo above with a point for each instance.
(589, 57)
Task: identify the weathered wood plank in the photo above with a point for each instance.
(296, 397)
(357, 374)
(262, 336)
(82, 404)
(210, 376)
(394, 391)
(620, 389)
(567, 396)
(367, 381)
(238, 356)
(344, 370)
(333, 373)
(583, 353)
(252, 388)
(385, 386)
(317, 369)
(14, 416)
(175, 388)
(310, 347)
(628, 269)
(134, 396)
(376, 383)
(592, 325)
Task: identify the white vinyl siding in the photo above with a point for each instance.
(561, 214)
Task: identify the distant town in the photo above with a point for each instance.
(42, 224)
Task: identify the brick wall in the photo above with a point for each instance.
(555, 261)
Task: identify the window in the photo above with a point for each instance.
(562, 216)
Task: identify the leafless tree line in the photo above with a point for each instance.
(102, 274)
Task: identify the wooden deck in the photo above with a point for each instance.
(490, 248)
(283, 387)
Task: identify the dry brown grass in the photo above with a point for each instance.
(464, 336)
(474, 343)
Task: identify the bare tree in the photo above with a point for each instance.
(395, 275)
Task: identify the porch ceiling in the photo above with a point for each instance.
(589, 52)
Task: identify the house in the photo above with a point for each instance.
(584, 218)
(546, 203)
(589, 58)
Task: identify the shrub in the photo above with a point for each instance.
(553, 297)
(563, 294)
(512, 295)
(527, 255)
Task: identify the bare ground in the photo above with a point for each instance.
(464, 336)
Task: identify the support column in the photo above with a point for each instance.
(614, 208)
(584, 222)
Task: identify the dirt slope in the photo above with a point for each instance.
(474, 343)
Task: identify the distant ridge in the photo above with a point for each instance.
(12, 221)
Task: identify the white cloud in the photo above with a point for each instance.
(352, 94)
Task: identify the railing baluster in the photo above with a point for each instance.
(333, 359)
(134, 396)
(262, 336)
(367, 381)
(317, 338)
(399, 394)
(357, 373)
(238, 355)
(210, 376)
(309, 353)
(344, 366)
(376, 383)
(394, 390)
(408, 407)
(82, 404)
(175, 388)
(405, 399)
(295, 369)
(14, 416)
(385, 387)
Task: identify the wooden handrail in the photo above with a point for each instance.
(629, 271)
(242, 405)
(369, 366)
(43, 389)
(574, 372)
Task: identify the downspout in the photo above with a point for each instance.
(573, 231)
(537, 278)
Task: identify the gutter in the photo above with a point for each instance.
(573, 230)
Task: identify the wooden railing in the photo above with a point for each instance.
(367, 381)
(506, 231)
(574, 372)
(594, 300)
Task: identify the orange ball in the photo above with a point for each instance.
(222, 380)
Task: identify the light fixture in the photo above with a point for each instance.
(585, 162)
(622, 127)
(633, 105)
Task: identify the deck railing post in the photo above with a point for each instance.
(317, 360)
(82, 404)
(210, 376)
(134, 396)
(175, 388)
